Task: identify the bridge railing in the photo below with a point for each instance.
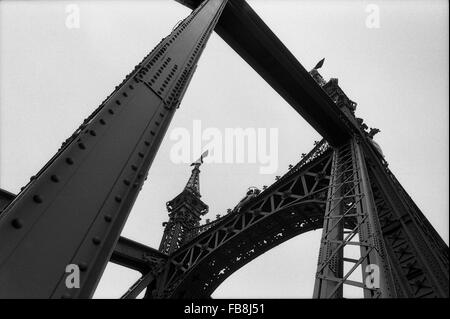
(319, 149)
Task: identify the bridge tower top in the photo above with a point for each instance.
(193, 183)
(333, 90)
(185, 212)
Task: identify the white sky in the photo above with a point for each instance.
(52, 77)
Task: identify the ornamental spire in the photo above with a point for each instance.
(193, 183)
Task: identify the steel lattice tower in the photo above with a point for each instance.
(343, 185)
(185, 212)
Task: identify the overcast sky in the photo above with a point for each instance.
(52, 77)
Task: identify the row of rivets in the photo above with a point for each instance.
(118, 199)
(108, 218)
(95, 240)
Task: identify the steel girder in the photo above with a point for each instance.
(137, 256)
(291, 206)
(412, 258)
(73, 211)
(47, 212)
(127, 253)
(411, 266)
(246, 33)
(418, 257)
(350, 196)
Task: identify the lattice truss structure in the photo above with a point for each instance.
(65, 217)
(349, 214)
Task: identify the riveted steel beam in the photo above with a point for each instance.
(350, 196)
(137, 256)
(418, 256)
(73, 211)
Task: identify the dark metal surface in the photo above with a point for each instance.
(418, 256)
(413, 258)
(5, 198)
(75, 208)
(350, 196)
(137, 256)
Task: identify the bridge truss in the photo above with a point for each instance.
(64, 216)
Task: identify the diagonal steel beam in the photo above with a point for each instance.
(137, 256)
(139, 286)
(244, 31)
(73, 211)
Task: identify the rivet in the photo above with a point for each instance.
(111, 111)
(125, 94)
(102, 121)
(54, 178)
(17, 223)
(37, 199)
(131, 86)
(83, 266)
(118, 199)
(96, 240)
(134, 167)
(152, 133)
(118, 102)
(92, 132)
(141, 154)
(69, 161)
(147, 143)
(82, 146)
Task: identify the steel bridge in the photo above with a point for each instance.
(343, 186)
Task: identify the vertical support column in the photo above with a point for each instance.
(330, 256)
(418, 257)
(376, 270)
(73, 211)
(350, 211)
